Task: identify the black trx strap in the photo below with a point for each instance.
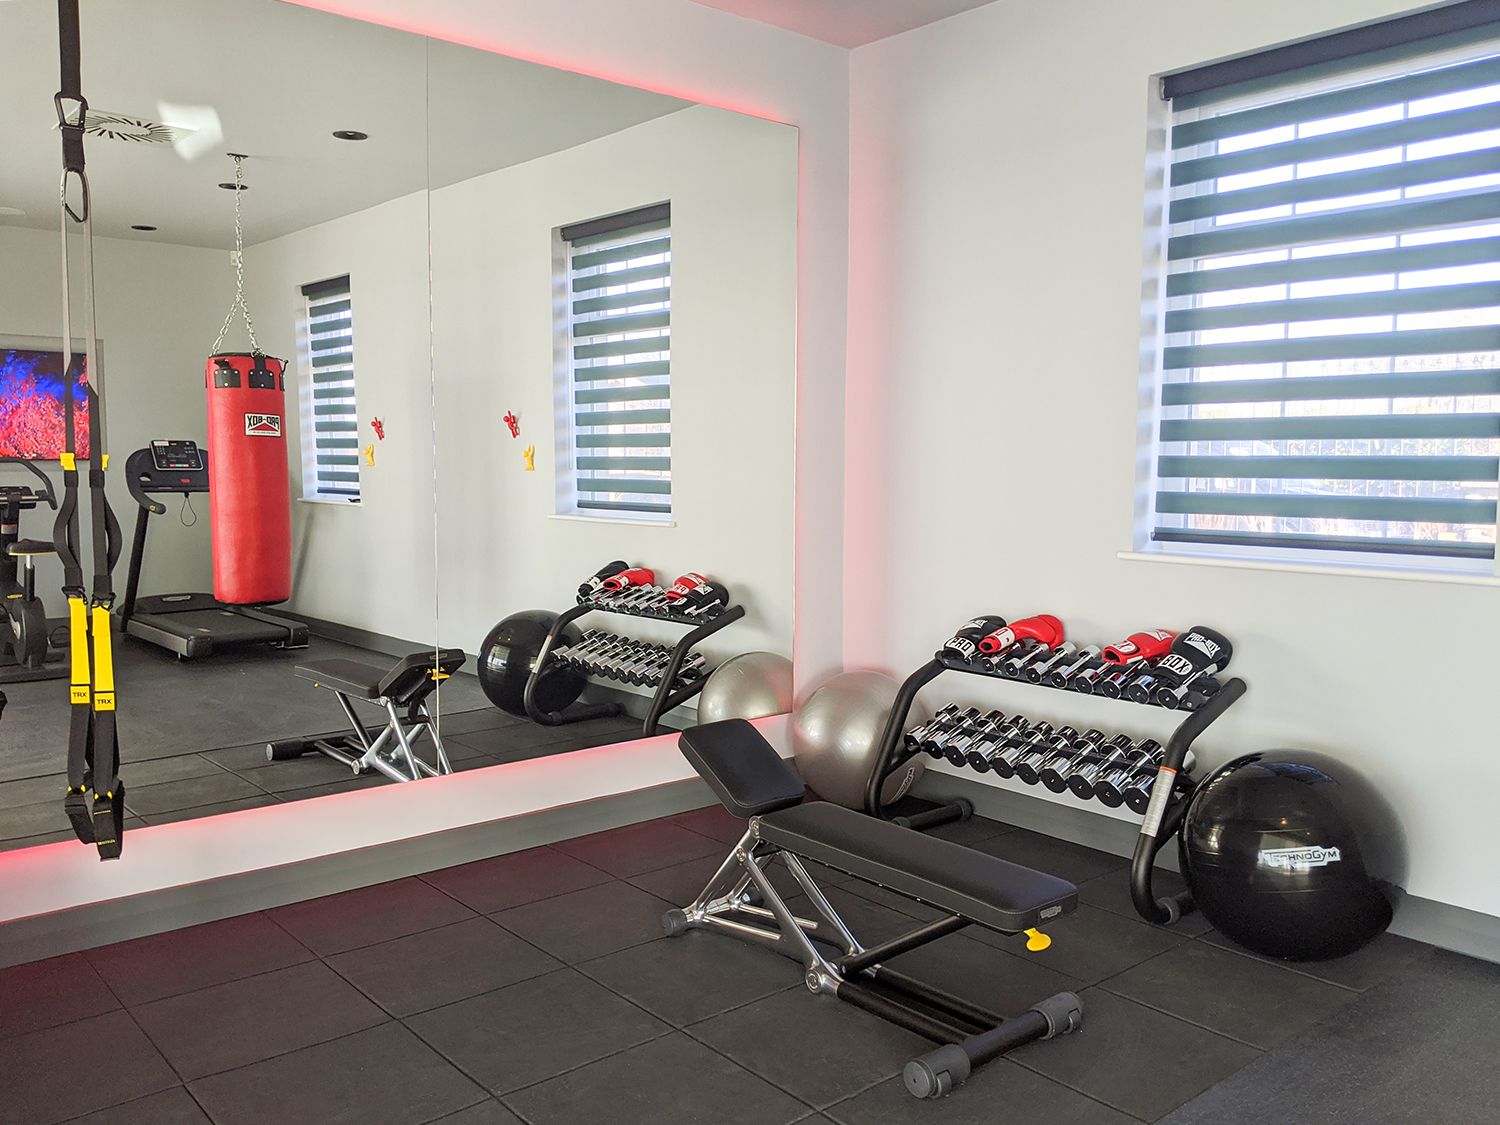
(95, 803)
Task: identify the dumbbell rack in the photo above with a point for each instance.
(894, 755)
(665, 698)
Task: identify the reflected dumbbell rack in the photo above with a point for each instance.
(997, 753)
(676, 672)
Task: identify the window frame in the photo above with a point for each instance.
(1155, 341)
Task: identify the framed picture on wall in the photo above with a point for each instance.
(32, 384)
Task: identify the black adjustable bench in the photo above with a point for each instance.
(970, 887)
(403, 690)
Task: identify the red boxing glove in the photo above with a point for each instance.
(1043, 628)
(637, 576)
(1140, 646)
(685, 585)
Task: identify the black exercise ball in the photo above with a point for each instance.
(1293, 855)
(507, 654)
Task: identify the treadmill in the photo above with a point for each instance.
(191, 625)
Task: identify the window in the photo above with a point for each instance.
(1330, 366)
(615, 366)
(330, 443)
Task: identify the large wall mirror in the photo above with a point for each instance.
(445, 246)
(613, 280)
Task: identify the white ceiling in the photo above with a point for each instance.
(846, 23)
(279, 79)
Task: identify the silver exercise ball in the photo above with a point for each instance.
(749, 686)
(836, 736)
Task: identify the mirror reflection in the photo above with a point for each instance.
(251, 540)
(490, 458)
(613, 279)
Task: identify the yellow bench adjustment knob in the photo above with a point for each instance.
(1036, 941)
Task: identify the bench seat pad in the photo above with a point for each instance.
(352, 677)
(994, 893)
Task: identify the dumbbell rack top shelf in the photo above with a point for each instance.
(893, 754)
(664, 699)
(954, 664)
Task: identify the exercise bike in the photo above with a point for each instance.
(26, 649)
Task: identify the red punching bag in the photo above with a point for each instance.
(249, 485)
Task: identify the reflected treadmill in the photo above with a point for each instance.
(191, 625)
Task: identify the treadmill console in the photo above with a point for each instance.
(169, 455)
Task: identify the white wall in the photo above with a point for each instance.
(159, 308)
(731, 181)
(685, 49)
(997, 209)
(368, 565)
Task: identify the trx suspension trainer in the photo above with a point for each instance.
(95, 802)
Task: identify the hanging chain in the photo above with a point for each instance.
(239, 265)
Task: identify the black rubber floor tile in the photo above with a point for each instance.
(355, 919)
(180, 767)
(161, 965)
(170, 1107)
(997, 1092)
(870, 922)
(383, 1076)
(972, 831)
(297, 773)
(1089, 944)
(531, 1031)
(692, 977)
(250, 756)
(48, 993)
(1259, 1003)
(436, 967)
(190, 793)
(1420, 1048)
(1384, 958)
(588, 923)
(485, 1113)
(1135, 1059)
(667, 1080)
(347, 784)
(681, 883)
(63, 1072)
(201, 811)
(485, 718)
(1066, 860)
(245, 1021)
(21, 822)
(1004, 983)
(32, 791)
(819, 1048)
(1112, 892)
(713, 821)
(488, 885)
(638, 848)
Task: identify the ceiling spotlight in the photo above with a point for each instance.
(141, 226)
(235, 187)
(351, 135)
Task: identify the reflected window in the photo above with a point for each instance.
(330, 424)
(1329, 358)
(615, 366)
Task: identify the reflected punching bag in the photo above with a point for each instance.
(249, 484)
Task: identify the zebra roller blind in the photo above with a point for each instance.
(619, 362)
(1331, 365)
(334, 433)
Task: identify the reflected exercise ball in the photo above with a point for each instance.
(1293, 855)
(836, 737)
(749, 686)
(510, 649)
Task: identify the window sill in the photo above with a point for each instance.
(633, 521)
(328, 501)
(1400, 574)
